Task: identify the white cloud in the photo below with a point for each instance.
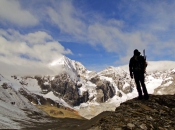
(67, 18)
(98, 30)
(150, 21)
(11, 11)
(115, 40)
(18, 50)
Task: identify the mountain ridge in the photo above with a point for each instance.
(88, 92)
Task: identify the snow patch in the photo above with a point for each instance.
(125, 85)
(153, 85)
(168, 83)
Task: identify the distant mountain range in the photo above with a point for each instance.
(79, 90)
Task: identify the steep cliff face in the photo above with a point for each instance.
(63, 87)
(76, 90)
(105, 90)
(120, 78)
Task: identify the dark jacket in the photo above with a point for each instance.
(137, 64)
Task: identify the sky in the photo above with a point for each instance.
(97, 33)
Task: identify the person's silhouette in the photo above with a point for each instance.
(137, 69)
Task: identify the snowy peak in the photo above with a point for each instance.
(64, 62)
(111, 69)
(113, 72)
(73, 68)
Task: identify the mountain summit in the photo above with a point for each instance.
(73, 68)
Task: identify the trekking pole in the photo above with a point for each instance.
(144, 54)
(145, 61)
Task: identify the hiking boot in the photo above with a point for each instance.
(139, 97)
(146, 97)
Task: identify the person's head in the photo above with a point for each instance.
(136, 52)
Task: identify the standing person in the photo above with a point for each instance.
(137, 65)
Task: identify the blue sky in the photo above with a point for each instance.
(97, 33)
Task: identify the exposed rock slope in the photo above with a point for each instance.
(157, 113)
(168, 85)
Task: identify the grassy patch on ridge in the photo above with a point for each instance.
(59, 112)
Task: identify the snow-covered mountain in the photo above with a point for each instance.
(73, 68)
(90, 92)
(107, 89)
(15, 108)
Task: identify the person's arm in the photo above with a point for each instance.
(131, 68)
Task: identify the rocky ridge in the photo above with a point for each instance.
(157, 113)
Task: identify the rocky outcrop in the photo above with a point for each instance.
(5, 85)
(157, 113)
(44, 83)
(105, 90)
(40, 100)
(63, 87)
(119, 94)
(84, 97)
(95, 79)
(100, 95)
(119, 77)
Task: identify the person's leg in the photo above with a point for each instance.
(136, 77)
(142, 80)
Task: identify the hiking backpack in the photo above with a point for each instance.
(140, 63)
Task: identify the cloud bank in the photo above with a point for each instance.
(151, 30)
(12, 12)
(27, 52)
(120, 29)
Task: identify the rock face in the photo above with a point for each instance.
(105, 90)
(77, 85)
(64, 87)
(157, 113)
(120, 78)
(40, 100)
(167, 86)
